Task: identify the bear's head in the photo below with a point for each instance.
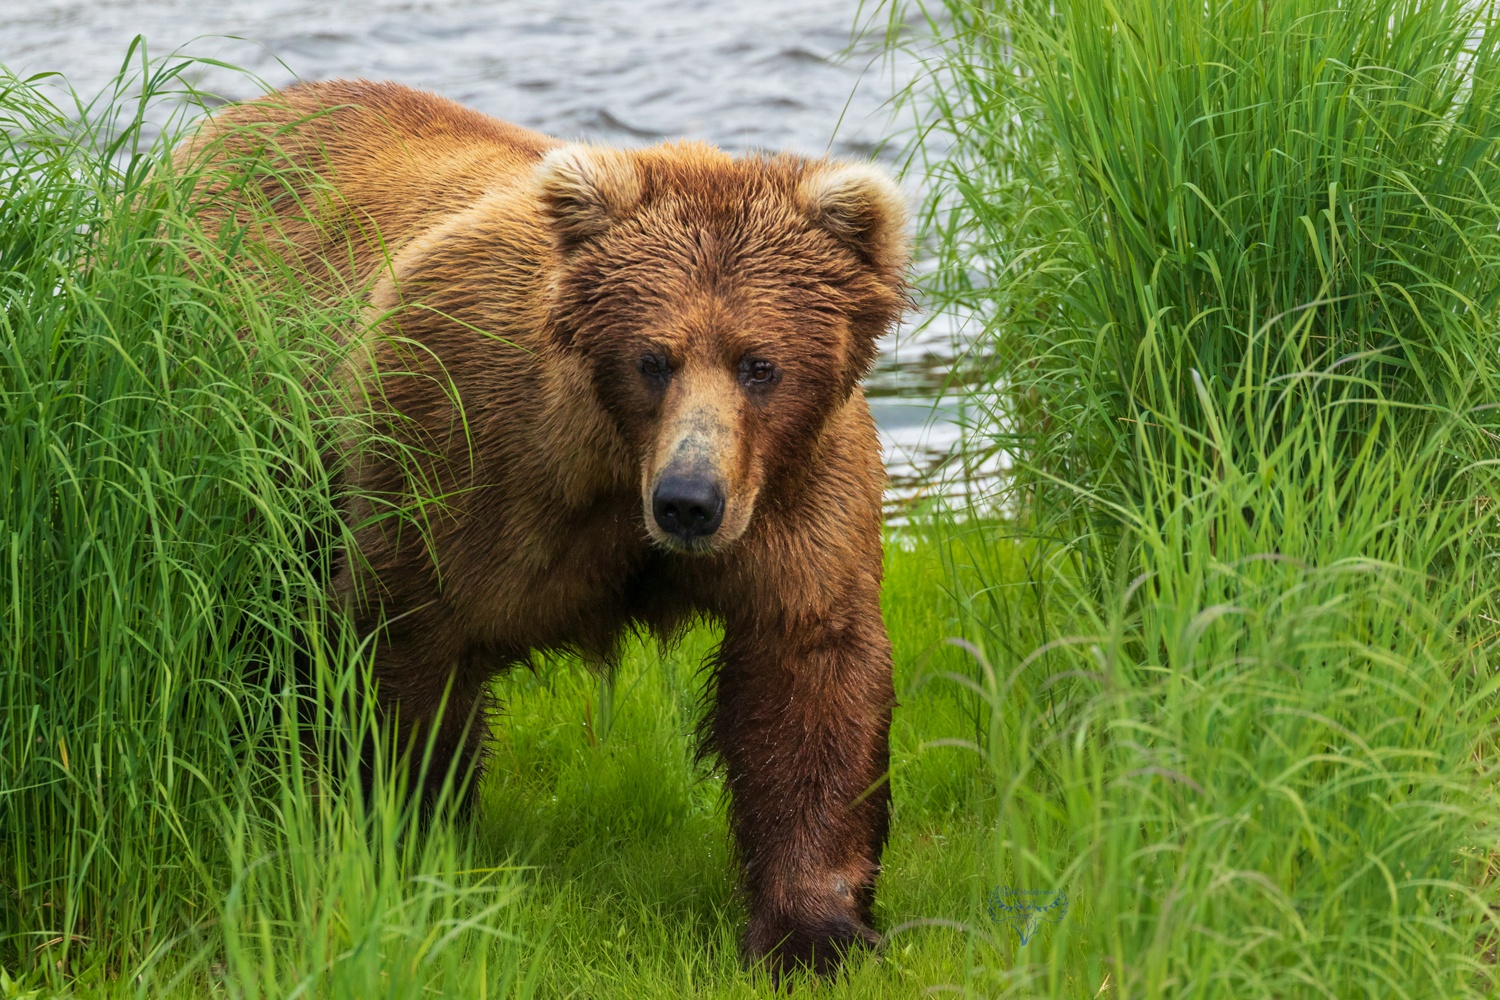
(725, 308)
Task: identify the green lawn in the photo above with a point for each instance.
(632, 891)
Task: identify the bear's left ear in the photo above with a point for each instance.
(586, 190)
(860, 205)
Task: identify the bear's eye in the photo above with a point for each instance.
(654, 366)
(758, 372)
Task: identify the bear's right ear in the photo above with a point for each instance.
(586, 190)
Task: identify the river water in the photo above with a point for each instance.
(747, 74)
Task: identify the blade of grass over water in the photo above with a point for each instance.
(1237, 265)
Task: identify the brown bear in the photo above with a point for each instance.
(633, 378)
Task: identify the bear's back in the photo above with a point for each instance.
(344, 173)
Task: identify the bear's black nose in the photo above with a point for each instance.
(687, 506)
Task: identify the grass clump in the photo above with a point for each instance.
(1237, 269)
(1157, 201)
(161, 827)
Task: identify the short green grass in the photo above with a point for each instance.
(632, 874)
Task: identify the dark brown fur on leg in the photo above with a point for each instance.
(434, 709)
(802, 724)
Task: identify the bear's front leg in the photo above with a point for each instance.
(802, 725)
(432, 697)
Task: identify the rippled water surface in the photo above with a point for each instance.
(748, 74)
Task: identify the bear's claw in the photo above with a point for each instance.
(820, 946)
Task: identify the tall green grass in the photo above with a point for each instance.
(174, 814)
(1237, 265)
(1155, 201)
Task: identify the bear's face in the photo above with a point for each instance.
(725, 309)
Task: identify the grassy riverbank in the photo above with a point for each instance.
(1227, 675)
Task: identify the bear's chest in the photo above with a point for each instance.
(542, 581)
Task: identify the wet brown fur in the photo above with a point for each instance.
(528, 279)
